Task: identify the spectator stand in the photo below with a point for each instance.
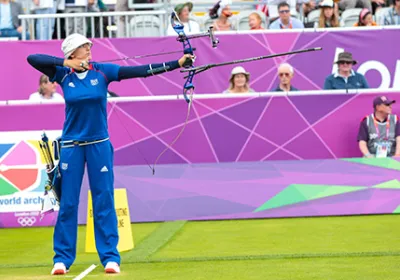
(154, 20)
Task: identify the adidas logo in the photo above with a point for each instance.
(104, 169)
(71, 84)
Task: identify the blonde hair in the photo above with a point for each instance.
(334, 21)
(42, 80)
(257, 16)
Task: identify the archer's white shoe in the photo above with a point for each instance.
(59, 269)
(112, 267)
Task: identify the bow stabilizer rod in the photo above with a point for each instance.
(203, 68)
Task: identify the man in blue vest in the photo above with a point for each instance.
(379, 133)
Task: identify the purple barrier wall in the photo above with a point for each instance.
(247, 190)
(246, 137)
(221, 130)
(311, 68)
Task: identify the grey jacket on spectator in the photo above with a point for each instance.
(16, 10)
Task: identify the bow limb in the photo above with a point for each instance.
(188, 87)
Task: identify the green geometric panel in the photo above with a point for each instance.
(378, 162)
(6, 188)
(397, 210)
(299, 193)
(334, 190)
(393, 184)
(290, 195)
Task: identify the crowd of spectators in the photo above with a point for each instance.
(239, 81)
(294, 14)
(344, 78)
(221, 18)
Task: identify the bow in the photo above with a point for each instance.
(188, 87)
(187, 49)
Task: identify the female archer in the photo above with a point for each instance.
(85, 139)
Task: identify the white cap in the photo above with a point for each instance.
(327, 3)
(239, 70)
(222, 5)
(72, 42)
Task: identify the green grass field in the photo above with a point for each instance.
(363, 247)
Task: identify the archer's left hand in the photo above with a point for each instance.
(186, 60)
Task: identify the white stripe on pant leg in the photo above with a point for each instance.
(86, 272)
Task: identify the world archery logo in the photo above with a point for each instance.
(22, 176)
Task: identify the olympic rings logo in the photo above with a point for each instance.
(26, 221)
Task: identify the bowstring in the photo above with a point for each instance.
(190, 100)
(180, 132)
(133, 140)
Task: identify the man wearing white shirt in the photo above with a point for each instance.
(190, 26)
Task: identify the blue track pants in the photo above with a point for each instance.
(99, 160)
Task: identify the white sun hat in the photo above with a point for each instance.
(239, 70)
(72, 42)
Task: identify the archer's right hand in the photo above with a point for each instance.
(77, 64)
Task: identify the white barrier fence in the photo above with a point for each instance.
(150, 20)
(214, 96)
(99, 25)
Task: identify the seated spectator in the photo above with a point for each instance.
(379, 133)
(221, 12)
(190, 26)
(285, 21)
(365, 19)
(239, 81)
(392, 17)
(255, 21)
(44, 26)
(328, 17)
(285, 74)
(10, 25)
(345, 77)
(46, 91)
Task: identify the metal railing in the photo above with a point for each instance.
(115, 24)
(99, 25)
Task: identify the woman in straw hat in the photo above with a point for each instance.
(85, 139)
(239, 81)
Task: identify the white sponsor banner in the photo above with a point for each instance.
(22, 201)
